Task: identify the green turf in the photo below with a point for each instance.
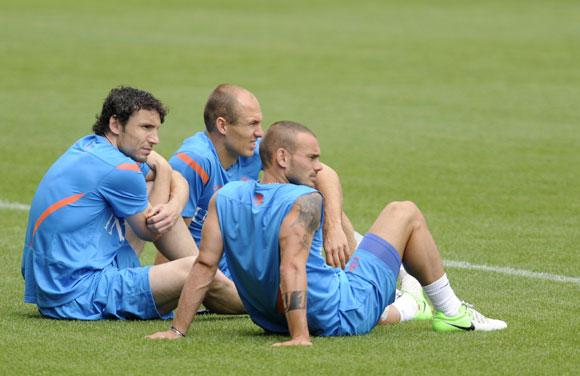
(470, 109)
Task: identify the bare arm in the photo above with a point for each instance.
(160, 175)
(296, 235)
(336, 242)
(167, 198)
(163, 216)
(199, 278)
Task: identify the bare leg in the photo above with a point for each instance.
(177, 243)
(402, 224)
(390, 316)
(160, 259)
(222, 296)
(167, 280)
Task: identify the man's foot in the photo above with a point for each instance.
(467, 319)
(412, 287)
(424, 312)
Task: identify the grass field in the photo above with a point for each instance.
(470, 109)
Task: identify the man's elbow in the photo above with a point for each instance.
(146, 234)
(149, 237)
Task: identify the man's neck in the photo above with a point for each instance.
(273, 177)
(111, 138)
(224, 155)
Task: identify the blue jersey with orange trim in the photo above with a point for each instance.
(250, 215)
(198, 162)
(76, 221)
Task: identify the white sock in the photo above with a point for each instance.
(443, 297)
(407, 307)
(358, 238)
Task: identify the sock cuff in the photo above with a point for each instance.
(437, 285)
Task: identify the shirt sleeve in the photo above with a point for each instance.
(145, 169)
(126, 191)
(196, 171)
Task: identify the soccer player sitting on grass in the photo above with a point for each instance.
(270, 232)
(77, 261)
(228, 151)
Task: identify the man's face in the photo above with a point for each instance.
(241, 137)
(137, 138)
(304, 164)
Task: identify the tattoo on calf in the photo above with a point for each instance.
(294, 300)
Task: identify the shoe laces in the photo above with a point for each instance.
(475, 315)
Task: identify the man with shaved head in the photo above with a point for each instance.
(228, 151)
(270, 232)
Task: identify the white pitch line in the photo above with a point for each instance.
(13, 206)
(512, 271)
(448, 263)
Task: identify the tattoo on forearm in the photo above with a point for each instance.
(309, 211)
(294, 300)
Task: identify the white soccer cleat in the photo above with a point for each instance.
(468, 319)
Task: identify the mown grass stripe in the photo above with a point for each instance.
(13, 205)
(512, 271)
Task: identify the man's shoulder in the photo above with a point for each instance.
(102, 151)
(195, 151)
(236, 187)
(198, 145)
(296, 191)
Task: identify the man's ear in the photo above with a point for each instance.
(114, 125)
(282, 157)
(221, 125)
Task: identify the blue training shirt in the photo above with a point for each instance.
(198, 162)
(250, 215)
(76, 221)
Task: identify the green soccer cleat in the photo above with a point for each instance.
(467, 319)
(425, 311)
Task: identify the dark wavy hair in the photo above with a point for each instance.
(122, 102)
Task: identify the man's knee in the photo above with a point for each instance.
(404, 211)
(223, 297)
(176, 270)
(221, 285)
(185, 264)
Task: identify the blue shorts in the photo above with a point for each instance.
(120, 291)
(372, 273)
(223, 266)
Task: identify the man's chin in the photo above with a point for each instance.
(306, 183)
(140, 158)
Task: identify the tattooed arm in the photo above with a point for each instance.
(296, 235)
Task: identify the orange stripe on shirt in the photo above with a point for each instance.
(129, 166)
(54, 207)
(195, 166)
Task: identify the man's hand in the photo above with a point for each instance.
(336, 246)
(168, 334)
(161, 218)
(155, 160)
(294, 342)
